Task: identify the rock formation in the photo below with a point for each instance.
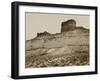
(43, 33)
(68, 25)
(70, 47)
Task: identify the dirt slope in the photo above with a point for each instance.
(61, 49)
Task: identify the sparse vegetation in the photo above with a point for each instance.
(51, 61)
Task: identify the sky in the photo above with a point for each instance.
(40, 22)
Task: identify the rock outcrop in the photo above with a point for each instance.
(43, 33)
(68, 25)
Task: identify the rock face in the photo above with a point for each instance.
(71, 47)
(68, 25)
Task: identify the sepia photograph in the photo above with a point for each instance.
(50, 40)
(56, 40)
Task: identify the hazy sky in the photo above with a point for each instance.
(40, 22)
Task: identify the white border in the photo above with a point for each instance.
(68, 69)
